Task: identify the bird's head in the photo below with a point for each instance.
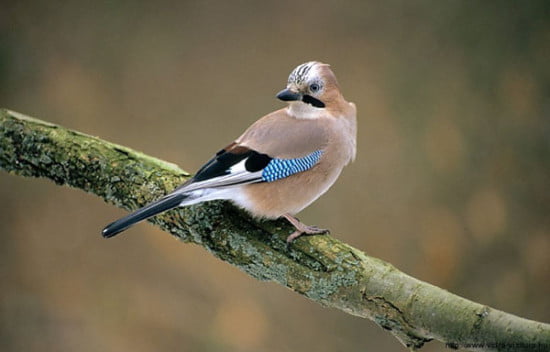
(311, 88)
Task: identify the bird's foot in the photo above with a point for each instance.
(302, 229)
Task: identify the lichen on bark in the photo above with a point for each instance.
(321, 268)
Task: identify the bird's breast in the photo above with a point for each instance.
(292, 194)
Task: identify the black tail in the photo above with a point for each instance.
(163, 204)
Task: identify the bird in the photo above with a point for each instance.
(282, 163)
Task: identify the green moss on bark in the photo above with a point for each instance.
(318, 267)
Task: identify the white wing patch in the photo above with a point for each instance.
(238, 167)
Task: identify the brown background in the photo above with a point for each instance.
(451, 183)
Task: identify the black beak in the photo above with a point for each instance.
(288, 95)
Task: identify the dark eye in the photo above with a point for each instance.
(314, 87)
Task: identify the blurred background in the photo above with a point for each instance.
(451, 182)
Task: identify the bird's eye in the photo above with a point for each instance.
(314, 87)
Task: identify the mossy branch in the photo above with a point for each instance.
(321, 268)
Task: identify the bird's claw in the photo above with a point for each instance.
(308, 230)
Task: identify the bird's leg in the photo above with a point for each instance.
(301, 228)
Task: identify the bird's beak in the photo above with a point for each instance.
(288, 95)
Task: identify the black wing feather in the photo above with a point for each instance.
(166, 203)
(222, 162)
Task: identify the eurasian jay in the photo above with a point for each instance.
(280, 164)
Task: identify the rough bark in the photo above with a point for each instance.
(321, 268)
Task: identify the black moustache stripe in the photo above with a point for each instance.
(311, 100)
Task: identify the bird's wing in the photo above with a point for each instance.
(274, 147)
(231, 166)
(280, 135)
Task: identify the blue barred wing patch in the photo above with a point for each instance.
(281, 168)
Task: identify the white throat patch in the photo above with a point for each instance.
(301, 110)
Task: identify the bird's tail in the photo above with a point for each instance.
(169, 202)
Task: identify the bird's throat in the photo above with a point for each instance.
(301, 110)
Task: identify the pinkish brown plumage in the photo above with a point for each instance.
(281, 163)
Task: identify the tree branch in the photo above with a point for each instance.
(321, 268)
